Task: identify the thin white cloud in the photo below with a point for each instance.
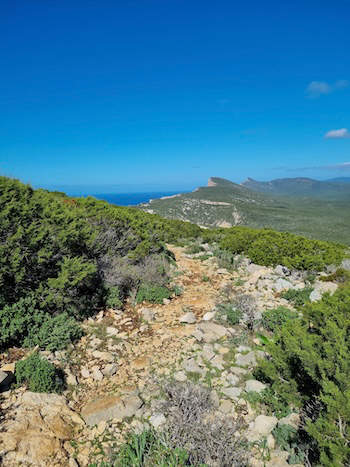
(342, 166)
(337, 134)
(318, 88)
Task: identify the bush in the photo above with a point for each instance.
(229, 313)
(340, 275)
(298, 297)
(276, 318)
(113, 298)
(246, 305)
(272, 402)
(269, 248)
(149, 448)
(310, 366)
(53, 333)
(288, 439)
(152, 293)
(38, 374)
(23, 324)
(192, 424)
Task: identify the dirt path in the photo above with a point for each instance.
(158, 344)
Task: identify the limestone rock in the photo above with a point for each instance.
(282, 284)
(212, 331)
(292, 419)
(157, 420)
(320, 288)
(232, 393)
(110, 369)
(180, 376)
(209, 315)
(252, 385)
(147, 314)
(249, 359)
(110, 407)
(345, 264)
(262, 426)
(189, 318)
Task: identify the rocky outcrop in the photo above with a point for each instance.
(36, 429)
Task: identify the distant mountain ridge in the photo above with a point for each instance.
(318, 209)
(302, 186)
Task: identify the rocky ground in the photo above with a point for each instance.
(114, 373)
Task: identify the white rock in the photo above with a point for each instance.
(282, 284)
(111, 331)
(71, 380)
(209, 315)
(180, 376)
(345, 264)
(148, 314)
(110, 369)
(262, 426)
(157, 420)
(85, 373)
(252, 385)
(189, 318)
(292, 419)
(232, 393)
(96, 374)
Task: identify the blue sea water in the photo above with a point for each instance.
(132, 199)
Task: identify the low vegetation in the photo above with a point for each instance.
(309, 367)
(38, 374)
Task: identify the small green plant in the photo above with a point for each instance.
(54, 332)
(194, 249)
(229, 313)
(272, 402)
(205, 279)
(149, 448)
(298, 296)
(38, 374)
(340, 275)
(113, 299)
(152, 293)
(178, 291)
(287, 439)
(274, 319)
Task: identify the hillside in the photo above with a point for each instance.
(223, 204)
(302, 187)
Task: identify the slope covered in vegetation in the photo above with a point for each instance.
(225, 204)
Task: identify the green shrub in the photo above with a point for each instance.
(276, 318)
(38, 374)
(194, 249)
(269, 248)
(273, 403)
(113, 298)
(152, 293)
(229, 313)
(23, 324)
(288, 439)
(309, 366)
(53, 333)
(340, 275)
(149, 448)
(298, 297)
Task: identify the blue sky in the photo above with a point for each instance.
(154, 94)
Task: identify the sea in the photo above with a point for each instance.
(132, 199)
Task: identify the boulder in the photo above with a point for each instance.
(189, 318)
(282, 284)
(345, 264)
(110, 407)
(209, 315)
(249, 359)
(157, 420)
(147, 314)
(211, 331)
(282, 270)
(320, 288)
(261, 427)
(232, 393)
(252, 385)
